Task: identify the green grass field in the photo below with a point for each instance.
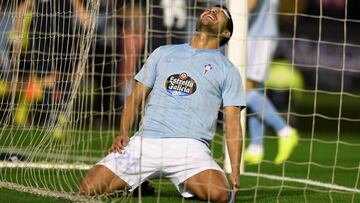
(330, 161)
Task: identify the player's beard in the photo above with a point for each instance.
(213, 31)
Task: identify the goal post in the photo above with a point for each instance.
(236, 53)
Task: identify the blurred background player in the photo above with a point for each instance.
(5, 28)
(131, 33)
(263, 29)
(43, 54)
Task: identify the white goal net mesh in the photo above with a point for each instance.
(67, 66)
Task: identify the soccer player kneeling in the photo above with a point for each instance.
(184, 87)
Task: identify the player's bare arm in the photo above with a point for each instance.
(251, 4)
(234, 143)
(130, 112)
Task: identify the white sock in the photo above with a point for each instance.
(255, 149)
(284, 132)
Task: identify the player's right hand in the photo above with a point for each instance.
(119, 144)
(235, 181)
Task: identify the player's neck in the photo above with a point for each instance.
(203, 40)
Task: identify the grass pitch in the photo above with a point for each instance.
(322, 158)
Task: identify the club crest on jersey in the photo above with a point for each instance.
(180, 84)
(207, 68)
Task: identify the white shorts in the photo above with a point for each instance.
(176, 159)
(260, 53)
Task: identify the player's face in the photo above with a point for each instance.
(214, 19)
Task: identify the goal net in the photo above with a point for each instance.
(67, 67)
(311, 81)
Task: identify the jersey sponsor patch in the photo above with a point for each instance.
(180, 84)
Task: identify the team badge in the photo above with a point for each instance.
(207, 68)
(180, 84)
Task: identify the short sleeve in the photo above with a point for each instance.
(147, 74)
(233, 92)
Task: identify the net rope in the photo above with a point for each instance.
(65, 73)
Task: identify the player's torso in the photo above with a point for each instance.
(187, 92)
(190, 76)
(263, 19)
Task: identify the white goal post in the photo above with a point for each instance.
(236, 52)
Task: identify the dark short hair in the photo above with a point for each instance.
(229, 25)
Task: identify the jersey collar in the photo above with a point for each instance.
(187, 45)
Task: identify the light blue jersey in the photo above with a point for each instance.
(188, 88)
(263, 21)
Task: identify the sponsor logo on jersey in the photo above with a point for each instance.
(180, 84)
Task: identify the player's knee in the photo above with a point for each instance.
(220, 196)
(215, 195)
(86, 188)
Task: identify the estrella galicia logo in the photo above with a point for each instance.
(180, 84)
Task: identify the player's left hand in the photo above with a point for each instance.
(235, 181)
